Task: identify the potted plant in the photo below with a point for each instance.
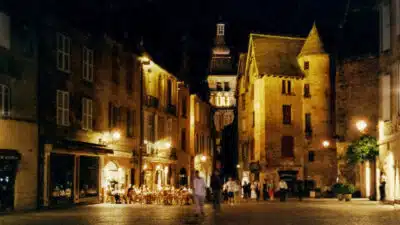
(349, 189)
(338, 189)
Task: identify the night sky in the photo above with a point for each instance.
(170, 28)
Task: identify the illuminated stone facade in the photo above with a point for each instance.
(222, 81)
(161, 134)
(201, 146)
(388, 163)
(284, 110)
(354, 104)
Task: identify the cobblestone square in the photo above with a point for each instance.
(308, 212)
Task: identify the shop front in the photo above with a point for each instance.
(158, 175)
(9, 160)
(118, 176)
(73, 173)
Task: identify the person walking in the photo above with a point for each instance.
(257, 187)
(199, 186)
(282, 190)
(271, 191)
(300, 189)
(265, 190)
(216, 186)
(231, 190)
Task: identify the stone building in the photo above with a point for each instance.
(222, 87)
(161, 128)
(201, 145)
(117, 111)
(18, 113)
(88, 115)
(388, 166)
(284, 107)
(184, 153)
(357, 102)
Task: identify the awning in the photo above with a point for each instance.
(82, 146)
(9, 154)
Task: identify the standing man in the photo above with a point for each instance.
(199, 186)
(282, 190)
(216, 186)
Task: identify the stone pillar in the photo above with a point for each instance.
(46, 173)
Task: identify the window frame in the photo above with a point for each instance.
(220, 29)
(87, 64)
(63, 49)
(87, 114)
(63, 108)
(306, 65)
(287, 120)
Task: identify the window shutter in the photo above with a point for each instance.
(385, 97)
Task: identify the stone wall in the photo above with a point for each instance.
(23, 137)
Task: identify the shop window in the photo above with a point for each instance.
(88, 176)
(61, 178)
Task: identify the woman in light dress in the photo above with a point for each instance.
(253, 191)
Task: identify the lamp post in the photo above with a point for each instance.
(326, 144)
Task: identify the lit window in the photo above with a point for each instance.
(4, 100)
(87, 114)
(220, 29)
(87, 64)
(63, 53)
(62, 108)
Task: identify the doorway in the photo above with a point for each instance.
(8, 171)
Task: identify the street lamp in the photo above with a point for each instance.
(325, 144)
(203, 158)
(361, 125)
(238, 166)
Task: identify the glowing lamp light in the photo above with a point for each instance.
(238, 166)
(158, 167)
(325, 144)
(361, 125)
(145, 166)
(116, 135)
(203, 158)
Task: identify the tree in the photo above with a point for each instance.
(364, 149)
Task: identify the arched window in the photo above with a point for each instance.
(4, 100)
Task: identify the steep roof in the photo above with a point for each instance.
(313, 44)
(277, 55)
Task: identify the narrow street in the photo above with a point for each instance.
(321, 212)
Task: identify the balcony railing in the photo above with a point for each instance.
(171, 109)
(151, 101)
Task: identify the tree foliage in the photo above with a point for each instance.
(364, 149)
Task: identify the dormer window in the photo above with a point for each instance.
(220, 29)
(306, 65)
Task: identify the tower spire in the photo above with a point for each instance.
(313, 43)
